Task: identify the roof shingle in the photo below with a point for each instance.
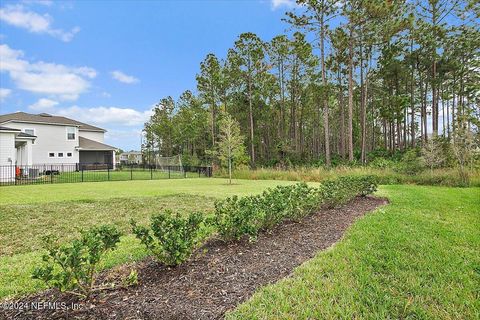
(87, 144)
(46, 118)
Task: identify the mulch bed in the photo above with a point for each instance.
(219, 277)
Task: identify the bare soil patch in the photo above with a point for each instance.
(219, 277)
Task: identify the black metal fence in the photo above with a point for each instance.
(91, 172)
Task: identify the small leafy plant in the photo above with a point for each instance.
(171, 238)
(71, 267)
(236, 217)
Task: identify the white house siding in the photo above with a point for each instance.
(50, 138)
(92, 135)
(7, 152)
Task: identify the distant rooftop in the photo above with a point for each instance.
(46, 118)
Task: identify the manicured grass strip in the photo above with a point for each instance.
(417, 258)
(208, 187)
(22, 226)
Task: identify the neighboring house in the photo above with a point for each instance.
(131, 157)
(38, 139)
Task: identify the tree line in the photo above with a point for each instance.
(350, 79)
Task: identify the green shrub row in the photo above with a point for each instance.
(172, 238)
(237, 217)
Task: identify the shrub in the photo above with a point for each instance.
(71, 267)
(287, 202)
(171, 238)
(411, 163)
(237, 217)
(381, 163)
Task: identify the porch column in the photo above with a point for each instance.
(28, 152)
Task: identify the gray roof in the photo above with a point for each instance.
(2, 128)
(87, 145)
(26, 135)
(47, 118)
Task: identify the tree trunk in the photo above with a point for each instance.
(250, 107)
(324, 94)
(342, 117)
(412, 103)
(230, 166)
(350, 96)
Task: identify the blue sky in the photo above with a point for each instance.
(108, 62)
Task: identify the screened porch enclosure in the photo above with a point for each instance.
(96, 159)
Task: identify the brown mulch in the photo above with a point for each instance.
(218, 278)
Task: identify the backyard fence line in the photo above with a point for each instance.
(94, 172)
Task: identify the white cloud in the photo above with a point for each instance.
(47, 3)
(43, 105)
(4, 93)
(125, 139)
(282, 3)
(61, 81)
(107, 115)
(21, 17)
(122, 77)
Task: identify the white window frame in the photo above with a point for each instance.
(60, 156)
(25, 129)
(71, 154)
(51, 153)
(74, 133)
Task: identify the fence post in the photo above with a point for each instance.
(108, 172)
(151, 172)
(14, 174)
(168, 172)
(131, 172)
(51, 174)
(82, 173)
(198, 169)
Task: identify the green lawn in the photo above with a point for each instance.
(208, 187)
(417, 258)
(29, 212)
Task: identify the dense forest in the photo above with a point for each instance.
(348, 81)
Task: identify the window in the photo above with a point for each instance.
(69, 154)
(60, 154)
(51, 154)
(70, 133)
(29, 131)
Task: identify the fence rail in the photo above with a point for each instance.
(91, 172)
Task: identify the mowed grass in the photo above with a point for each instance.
(22, 226)
(27, 213)
(417, 258)
(207, 187)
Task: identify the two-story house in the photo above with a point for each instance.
(37, 139)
